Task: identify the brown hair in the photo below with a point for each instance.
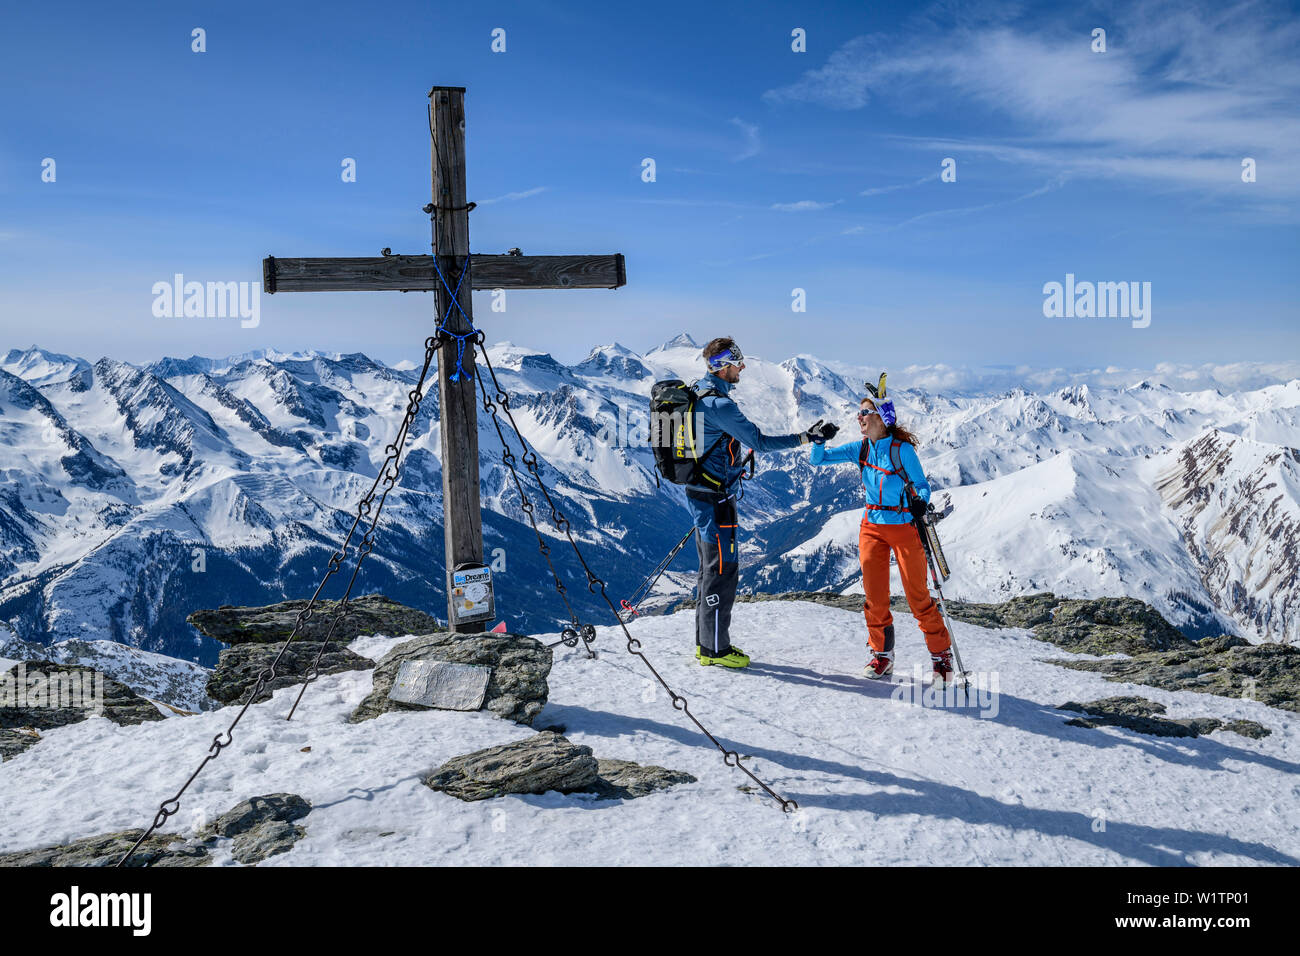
(893, 431)
(718, 346)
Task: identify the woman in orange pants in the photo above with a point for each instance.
(886, 454)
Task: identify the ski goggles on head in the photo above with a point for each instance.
(731, 356)
(884, 409)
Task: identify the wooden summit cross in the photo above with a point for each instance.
(463, 523)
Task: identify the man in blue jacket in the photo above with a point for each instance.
(720, 430)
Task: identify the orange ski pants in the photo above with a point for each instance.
(875, 541)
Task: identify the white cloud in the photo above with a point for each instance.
(880, 190)
(752, 145)
(524, 194)
(1180, 97)
(803, 205)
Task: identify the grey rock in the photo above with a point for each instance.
(625, 780)
(1226, 666)
(238, 667)
(121, 705)
(260, 827)
(1144, 717)
(548, 761)
(265, 840)
(1247, 728)
(370, 614)
(248, 814)
(13, 742)
(516, 691)
(109, 848)
(542, 762)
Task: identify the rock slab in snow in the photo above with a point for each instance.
(1144, 717)
(259, 827)
(625, 780)
(262, 826)
(516, 691)
(441, 684)
(368, 615)
(548, 761)
(108, 848)
(542, 762)
(238, 667)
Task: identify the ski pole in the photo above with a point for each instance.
(943, 609)
(938, 590)
(648, 584)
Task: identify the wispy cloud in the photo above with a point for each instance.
(880, 190)
(804, 205)
(508, 197)
(966, 210)
(752, 145)
(1183, 93)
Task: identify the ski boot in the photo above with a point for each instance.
(880, 666)
(734, 657)
(943, 671)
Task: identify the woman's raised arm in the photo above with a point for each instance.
(840, 454)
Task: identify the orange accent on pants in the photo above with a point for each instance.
(875, 541)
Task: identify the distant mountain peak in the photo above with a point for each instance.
(682, 340)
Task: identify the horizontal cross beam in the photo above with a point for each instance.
(417, 273)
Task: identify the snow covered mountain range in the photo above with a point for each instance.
(133, 495)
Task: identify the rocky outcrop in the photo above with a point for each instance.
(1226, 666)
(45, 695)
(259, 827)
(542, 762)
(238, 667)
(371, 614)
(14, 742)
(1144, 716)
(517, 689)
(1094, 626)
(548, 761)
(109, 848)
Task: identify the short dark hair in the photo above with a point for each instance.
(718, 346)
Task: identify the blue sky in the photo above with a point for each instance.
(776, 170)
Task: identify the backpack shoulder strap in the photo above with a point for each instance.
(895, 457)
(863, 451)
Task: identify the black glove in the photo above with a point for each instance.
(820, 433)
(918, 509)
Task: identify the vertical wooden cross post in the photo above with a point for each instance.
(463, 523)
(462, 517)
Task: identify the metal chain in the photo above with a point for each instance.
(570, 635)
(387, 474)
(729, 757)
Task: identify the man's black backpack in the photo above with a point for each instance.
(673, 423)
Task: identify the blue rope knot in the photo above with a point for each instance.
(461, 372)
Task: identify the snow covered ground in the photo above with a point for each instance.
(879, 780)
